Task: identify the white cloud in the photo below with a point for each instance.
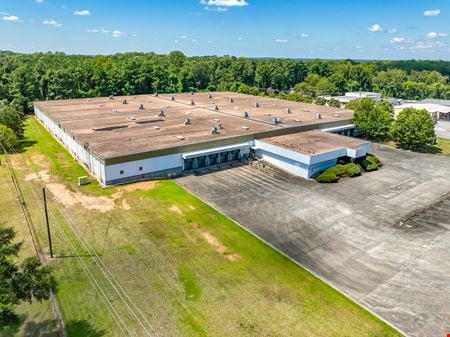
(92, 31)
(432, 35)
(432, 12)
(358, 47)
(239, 38)
(194, 40)
(392, 30)
(443, 34)
(304, 35)
(397, 40)
(375, 28)
(11, 18)
(51, 23)
(281, 41)
(209, 41)
(118, 33)
(39, 1)
(83, 12)
(224, 3)
(104, 31)
(183, 37)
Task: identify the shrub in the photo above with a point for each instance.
(369, 165)
(333, 173)
(326, 177)
(352, 170)
(374, 159)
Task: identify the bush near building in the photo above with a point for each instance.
(371, 163)
(332, 174)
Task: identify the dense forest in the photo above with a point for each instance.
(25, 78)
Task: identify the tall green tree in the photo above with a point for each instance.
(11, 115)
(413, 129)
(19, 282)
(371, 119)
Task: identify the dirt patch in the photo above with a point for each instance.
(142, 185)
(43, 176)
(192, 207)
(70, 199)
(40, 160)
(125, 205)
(176, 209)
(216, 244)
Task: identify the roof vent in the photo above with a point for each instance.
(245, 114)
(256, 105)
(124, 101)
(131, 118)
(276, 120)
(231, 100)
(297, 120)
(111, 97)
(192, 93)
(216, 107)
(100, 105)
(192, 102)
(245, 127)
(172, 98)
(318, 116)
(187, 121)
(180, 137)
(216, 120)
(114, 110)
(209, 96)
(161, 113)
(156, 128)
(336, 115)
(288, 110)
(214, 130)
(306, 110)
(156, 94)
(141, 106)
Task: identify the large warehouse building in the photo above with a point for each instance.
(121, 139)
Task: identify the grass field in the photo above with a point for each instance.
(152, 257)
(442, 147)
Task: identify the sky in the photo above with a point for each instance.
(357, 29)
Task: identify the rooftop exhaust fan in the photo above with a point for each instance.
(318, 116)
(172, 98)
(124, 101)
(209, 96)
(216, 107)
(288, 110)
(256, 105)
(187, 121)
(192, 93)
(192, 102)
(111, 97)
(161, 113)
(245, 114)
(141, 106)
(214, 130)
(276, 120)
(231, 100)
(156, 94)
(180, 137)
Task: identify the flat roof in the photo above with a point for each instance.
(112, 129)
(316, 142)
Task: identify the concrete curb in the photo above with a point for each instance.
(296, 262)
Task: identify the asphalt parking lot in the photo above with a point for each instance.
(383, 238)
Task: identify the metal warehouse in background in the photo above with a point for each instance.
(121, 139)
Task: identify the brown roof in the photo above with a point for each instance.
(113, 129)
(315, 142)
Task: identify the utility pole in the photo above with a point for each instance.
(48, 225)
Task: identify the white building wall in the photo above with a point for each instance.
(92, 163)
(149, 165)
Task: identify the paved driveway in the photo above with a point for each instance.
(383, 238)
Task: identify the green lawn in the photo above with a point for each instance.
(442, 147)
(188, 269)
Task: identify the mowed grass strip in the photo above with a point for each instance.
(36, 319)
(189, 269)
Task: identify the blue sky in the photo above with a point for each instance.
(396, 29)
